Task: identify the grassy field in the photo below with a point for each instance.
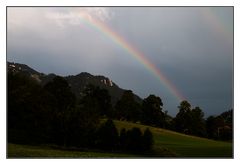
(183, 145)
(27, 151)
(167, 144)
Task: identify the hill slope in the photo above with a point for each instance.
(77, 82)
(167, 144)
(183, 145)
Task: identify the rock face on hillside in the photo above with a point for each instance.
(77, 82)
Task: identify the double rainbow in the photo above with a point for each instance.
(210, 17)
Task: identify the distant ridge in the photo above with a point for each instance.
(77, 82)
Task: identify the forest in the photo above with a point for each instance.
(52, 114)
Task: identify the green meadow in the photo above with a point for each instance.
(166, 144)
(27, 151)
(182, 145)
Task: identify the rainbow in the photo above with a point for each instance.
(218, 24)
(131, 50)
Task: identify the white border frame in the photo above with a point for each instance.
(4, 3)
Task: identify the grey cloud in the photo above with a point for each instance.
(191, 51)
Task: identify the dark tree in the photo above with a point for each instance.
(152, 111)
(190, 121)
(97, 100)
(183, 119)
(29, 111)
(64, 101)
(220, 127)
(81, 128)
(127, 108)
(210, 128)
(169, 122)
(85, 118)
(122, 139)
(134, 140)
(185, 106)
(226, 132)
(107, 136)
(147, 140)
(61, 90)
(198, 123)
(228, 118)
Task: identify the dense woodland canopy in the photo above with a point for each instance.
(52, 114)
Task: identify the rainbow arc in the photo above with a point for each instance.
(134, 52)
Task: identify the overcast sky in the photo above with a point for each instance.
(191, 46)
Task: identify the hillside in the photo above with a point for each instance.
(183, 145)
(167, 144)
(60, 121)
(77, 82)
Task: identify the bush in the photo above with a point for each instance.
(107, 136)
(147, 139)
(134, 141)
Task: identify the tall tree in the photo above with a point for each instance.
(228, 118)
(183, 118)
(127, 108)
(29, 111)
(152, 111)
(64, 101)
(61, 90)
(211, 127)
(107, 136)
(190, 121)
(98, 100)
(220, 127)
(198, 123)
(147, 139)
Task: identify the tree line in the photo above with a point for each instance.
(52, 114)
(188, 120)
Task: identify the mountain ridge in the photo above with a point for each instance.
(77, 82)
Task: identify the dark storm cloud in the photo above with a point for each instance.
(191, 46)
(195, 54)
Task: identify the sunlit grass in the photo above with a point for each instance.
(183, 145)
